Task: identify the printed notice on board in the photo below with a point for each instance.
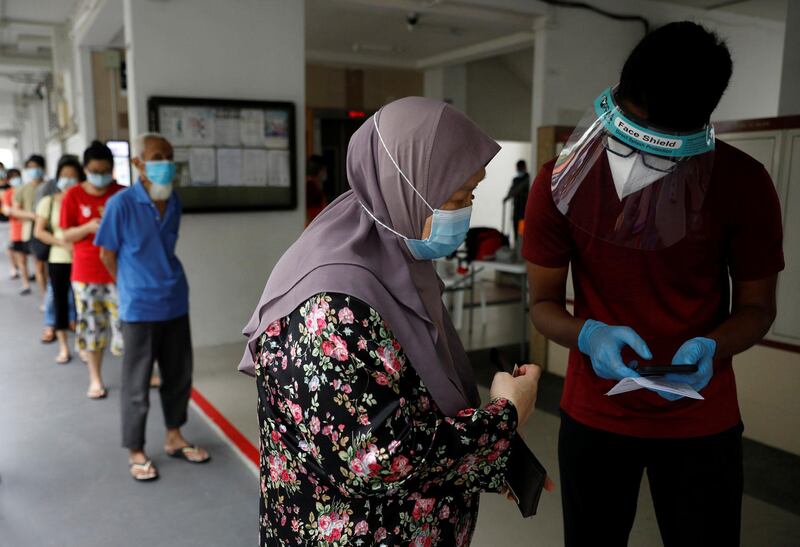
(171, 124)
(251, 125)
(254, 167)
(229, 166)
(276, 129)
(198, 126)
(202, 166)
(278, 172)
(226, 127)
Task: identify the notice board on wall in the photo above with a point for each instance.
(231, 155)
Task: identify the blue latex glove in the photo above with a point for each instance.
(697, 351)
(603, 344)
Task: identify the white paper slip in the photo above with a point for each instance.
(640, 382)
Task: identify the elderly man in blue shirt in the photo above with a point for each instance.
(137, 237)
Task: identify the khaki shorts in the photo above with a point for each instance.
(98, 317)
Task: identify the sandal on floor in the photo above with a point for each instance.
(189, 454)
(48, 337)
(97, 394)
(143, 472)
(61, 361)
(25, 292)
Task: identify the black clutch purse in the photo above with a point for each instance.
(525, 477)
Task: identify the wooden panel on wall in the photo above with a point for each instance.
(362, 89)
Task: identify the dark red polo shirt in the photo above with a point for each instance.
(667, 296)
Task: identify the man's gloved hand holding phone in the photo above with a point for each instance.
(603, 344)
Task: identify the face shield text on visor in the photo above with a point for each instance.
(629, 184)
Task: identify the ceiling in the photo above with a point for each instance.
(379, 32)
(26, 30)
(767, 9)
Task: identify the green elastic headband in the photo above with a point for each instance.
(648, 140)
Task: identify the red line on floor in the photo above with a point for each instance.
(234, 435)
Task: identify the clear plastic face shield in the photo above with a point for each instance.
(652, 193)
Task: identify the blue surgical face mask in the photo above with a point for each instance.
(99, 180)
(160, 172)
(448, 228)
(30, 174)
(2, 173)
(15, 181)
(64, 183)
(448, 231)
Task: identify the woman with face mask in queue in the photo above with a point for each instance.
(47, 229)
(18, 247)
(95, 293)
(371, 425)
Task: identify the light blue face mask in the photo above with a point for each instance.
(448, 228)
(448, 231)
(30, 174)
(65, 183)
(15, 182)
(160, 172)
(99, 180)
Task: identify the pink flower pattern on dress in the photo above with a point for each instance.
(353, 445)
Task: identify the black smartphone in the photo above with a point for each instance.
(525, 477)
(660, 370)
(501, 362)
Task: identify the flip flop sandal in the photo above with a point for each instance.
(97, 394)
(146, 471)
(25, 292)
(63, 361)
(181, 454)
(45, 339)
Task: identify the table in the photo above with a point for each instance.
(520, 271)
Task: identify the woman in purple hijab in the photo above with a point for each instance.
(372, 430)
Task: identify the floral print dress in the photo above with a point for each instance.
(353, 449)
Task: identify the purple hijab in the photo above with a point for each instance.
(345, 251)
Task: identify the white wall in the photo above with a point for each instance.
(578, 53)
(498, 98)
(487, 210)
(249, 49)
(448, 84)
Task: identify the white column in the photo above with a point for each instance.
(448, 83)
(248, 49)
(789, 101)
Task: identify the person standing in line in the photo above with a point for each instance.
(23, 210)
(19, 249)
(137, 238)
(47, 230)
(5, 187)
(48, 188)
(95, 293)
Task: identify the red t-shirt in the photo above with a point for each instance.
(77, 208)
(667, 296)
(14, 225)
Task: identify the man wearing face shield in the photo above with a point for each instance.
(137, 239)
(656, 218)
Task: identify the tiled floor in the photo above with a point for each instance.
(65, 478)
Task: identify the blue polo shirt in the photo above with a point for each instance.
(150, 278)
